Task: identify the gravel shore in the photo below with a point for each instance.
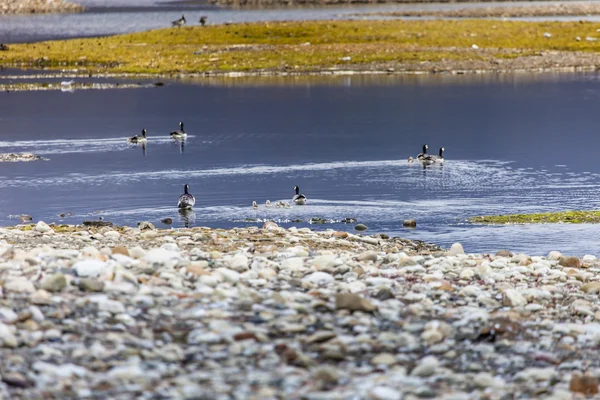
(37, 6)
(273, 313)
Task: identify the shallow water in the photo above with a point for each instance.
(521, 143)
(109, 17)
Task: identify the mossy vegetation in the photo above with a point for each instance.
(565, 217)
(306, 46)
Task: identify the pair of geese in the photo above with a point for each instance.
(298, 199)
(182, 21)
(178, 134)
(187, 200)
(427, 158)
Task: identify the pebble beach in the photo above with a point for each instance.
(37, 6)
(272, 313)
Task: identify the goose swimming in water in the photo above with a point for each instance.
(179, 22)
(186, 200)
(254, 205)
(180, 133)
(268, 203)
(298, 198)
(431, 159)
(139, 138)
(424, 153)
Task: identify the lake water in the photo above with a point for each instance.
(522, 143)
(108, 17)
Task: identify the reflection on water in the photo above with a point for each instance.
(187, 217)
(512, 145)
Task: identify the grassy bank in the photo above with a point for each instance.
(565, 9)
(316, 46)
(568, 217)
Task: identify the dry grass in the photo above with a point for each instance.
(305, 46)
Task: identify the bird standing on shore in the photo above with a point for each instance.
(180, 133)
(423, 154)
(179, 22)
(186, 200)
(139, 138)
(298, 198)
(203, 20)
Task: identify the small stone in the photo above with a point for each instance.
(384, 393)
(456, 249)
(90, 285)
(326, 375)
(569, 262)
(19, 285)
(353, 302)
(383, 359)
(112, 306)
(341, 235)
(484, 380)
(270, 225)
(167, 221)
(228, 275)
(198, 268)
(320, 337)
(149, 234)
(318, 278)
(16, 379)
(7, 339)
(239, 263)
(367, 256)
(120, 250)
(90, 268)
(54, 283)
(426, 367)
(112, 235)
(410, 223)
(146, 225)
(384, 293)
(554, 256)
(361, 227)
(514, 298)
(504, 253)
(42, 227)
(591, 287)
(585, 384)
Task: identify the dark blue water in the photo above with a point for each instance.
(513, 144)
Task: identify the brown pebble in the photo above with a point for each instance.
(353, 302)
(196, 269)
(504, 253)
(569, 262)
(342, 235)
(244, 336)
(120, 250)
(586, 384)
(410, 223)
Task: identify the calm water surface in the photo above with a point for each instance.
(513, 144)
